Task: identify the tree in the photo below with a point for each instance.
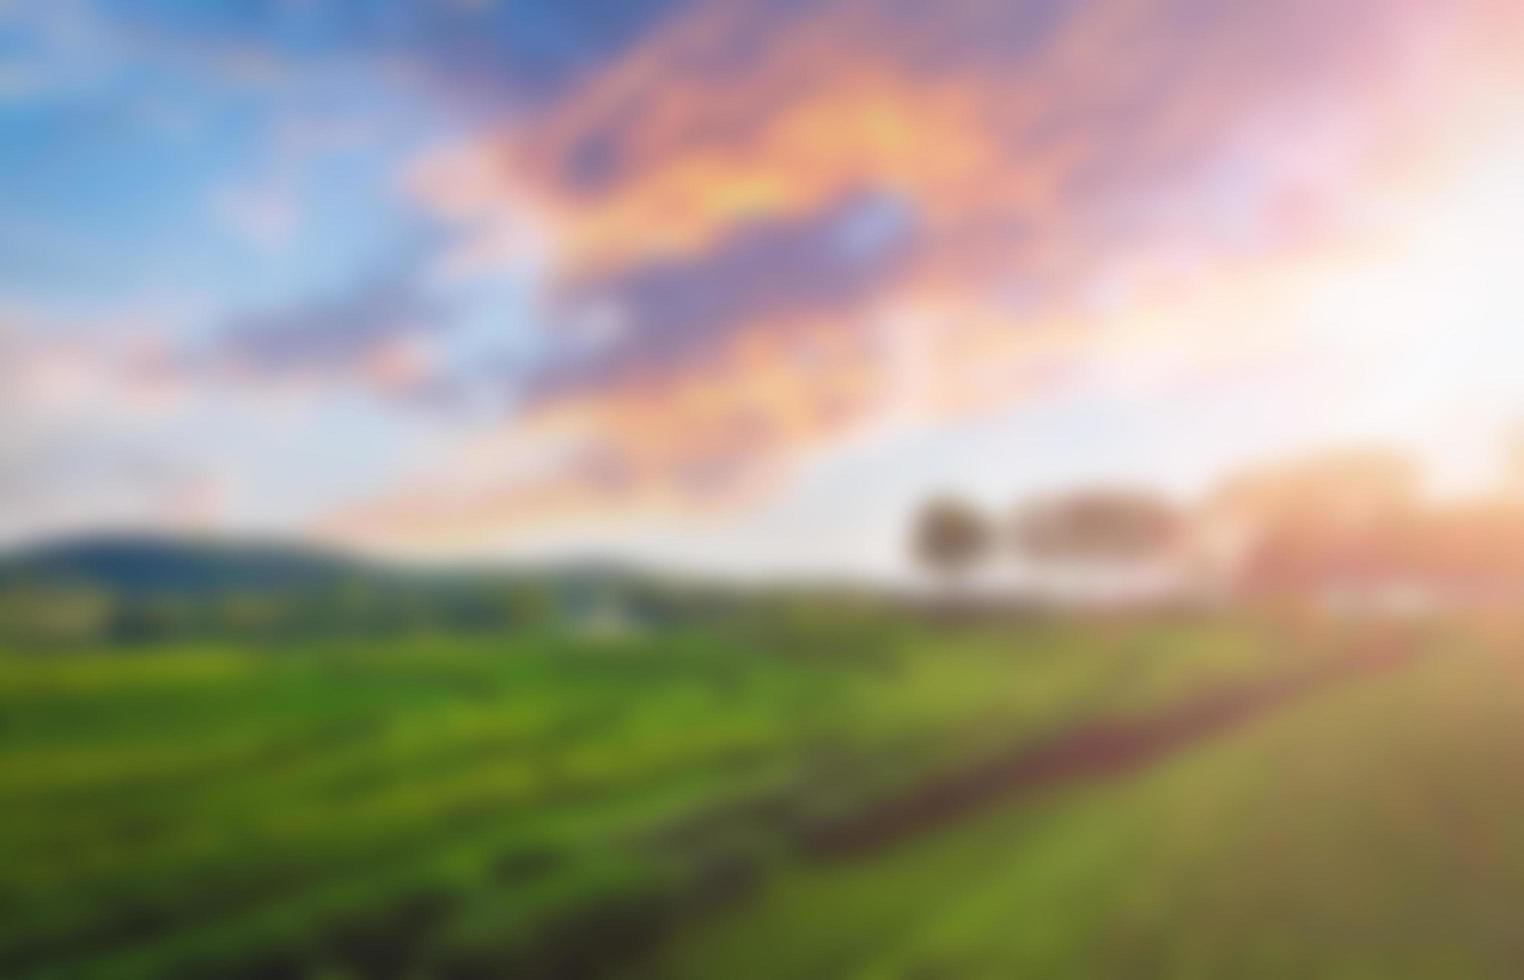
(1097, 527)
(950, 537)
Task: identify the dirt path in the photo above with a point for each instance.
(1092, 751)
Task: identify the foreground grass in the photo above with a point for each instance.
(543, 805)
(1369, 830)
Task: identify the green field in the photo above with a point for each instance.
(862, 795)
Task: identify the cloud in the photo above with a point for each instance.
(1059, 168)
(81, 403)
(674, 312)
(377, 333)
(116, 421)
(709, 439)
(737, 113)
(58, 370)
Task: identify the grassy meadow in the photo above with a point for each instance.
(868, 794)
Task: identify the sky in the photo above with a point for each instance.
(732, 286)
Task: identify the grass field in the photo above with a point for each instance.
(1368, 830)
(866, 796)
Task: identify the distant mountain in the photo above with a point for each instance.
(140, 564)
(143, 587)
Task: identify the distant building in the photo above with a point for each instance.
(601, 610)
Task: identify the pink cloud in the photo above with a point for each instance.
(1135, 163)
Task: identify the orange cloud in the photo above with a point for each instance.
(734, 116)
(1108, 161)
(704, 438)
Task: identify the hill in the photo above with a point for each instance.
(140, 564)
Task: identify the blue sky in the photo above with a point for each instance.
(675, 279)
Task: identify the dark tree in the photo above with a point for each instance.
(950, 537)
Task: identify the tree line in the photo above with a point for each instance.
(1104, 526)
